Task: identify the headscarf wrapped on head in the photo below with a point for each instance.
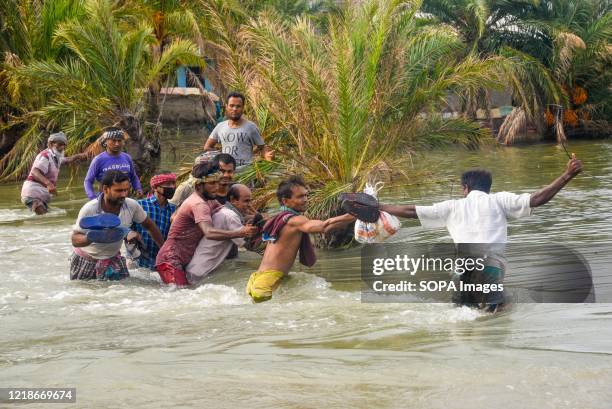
(210, 174)
(58, 137)
(161, 179)
(213, 177)
(205, 157)
(112, 134)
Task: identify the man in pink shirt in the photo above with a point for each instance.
(42, 179)
(231, 216)
(192, 221)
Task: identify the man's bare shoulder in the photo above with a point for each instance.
(297, 220)
(293, 226)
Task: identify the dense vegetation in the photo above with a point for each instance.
(340, 89)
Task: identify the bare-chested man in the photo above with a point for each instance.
(287, 233)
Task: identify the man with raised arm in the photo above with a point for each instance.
(42, 180)
(480, 218)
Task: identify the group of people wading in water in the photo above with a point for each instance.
(184, 233)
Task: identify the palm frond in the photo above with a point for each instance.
(100, 82)
(346, 101)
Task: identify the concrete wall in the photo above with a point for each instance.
(499, 99)
(186, 107)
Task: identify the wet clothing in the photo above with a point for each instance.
(29, 202)
(238, 142)
(185, 234)
(131, 212)
(272, 230)
(210, 253)
(49, 165)
(492, 274)
(105, 162)
(478, 225)
(262, 284)
(171, 274)
(478, 218)
(161, 216)
(85, 267)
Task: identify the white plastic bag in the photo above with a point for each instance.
(386, 226)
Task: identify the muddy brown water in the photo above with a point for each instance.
(315, 345)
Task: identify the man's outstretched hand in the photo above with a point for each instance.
(544, 195)
(574, 166)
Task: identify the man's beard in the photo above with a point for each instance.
(207, 195)
(58, 155)
(116, 202)
(299, 209)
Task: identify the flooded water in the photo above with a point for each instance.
(315, 345)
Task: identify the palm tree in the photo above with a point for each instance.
(101, 83)
(170, 20)
(494, 28)
(346, 102)
(317, 10)
(220, 25)
(578, 51)
(555, 48)
(26, 29)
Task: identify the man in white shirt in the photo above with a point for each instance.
(481, 218)
(103, 261)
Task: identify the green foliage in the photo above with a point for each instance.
(339, 88)
(349, 99)
(26, 29)
(552, 45)
(101, 81)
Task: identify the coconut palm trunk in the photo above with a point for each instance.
(145, 152)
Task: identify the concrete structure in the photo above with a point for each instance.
(187, 107)
(501, 106)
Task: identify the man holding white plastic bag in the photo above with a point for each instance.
(479, 221)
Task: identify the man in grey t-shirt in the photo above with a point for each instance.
(237, 136)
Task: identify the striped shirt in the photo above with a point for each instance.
(161, 217)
